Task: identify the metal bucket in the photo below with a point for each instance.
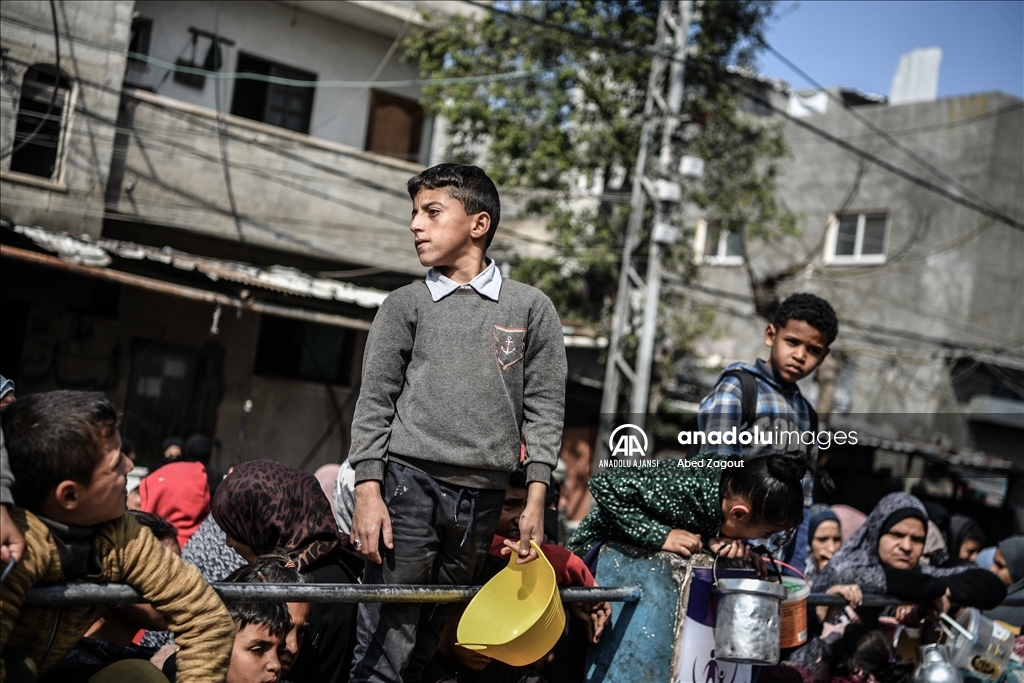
(749, 621)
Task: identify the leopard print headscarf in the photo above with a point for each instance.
(267, 505)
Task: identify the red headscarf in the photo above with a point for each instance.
(178, 492)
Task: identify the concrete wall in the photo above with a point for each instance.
(93, 37)
(333, 50)
(293, 192)
(952, 279)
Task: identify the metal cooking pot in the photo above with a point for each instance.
(934, 666)
(748, 621)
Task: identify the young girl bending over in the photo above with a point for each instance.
(684, 505)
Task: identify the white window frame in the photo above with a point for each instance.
(829, 256)
(719, 258)
(58, 181)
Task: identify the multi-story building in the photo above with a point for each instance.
(923, 267)
(231, 179)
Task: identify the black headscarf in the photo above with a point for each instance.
(961, 528)
(172, 441)
(197, 449)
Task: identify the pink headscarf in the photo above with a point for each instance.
(850, 519)
(327, 475)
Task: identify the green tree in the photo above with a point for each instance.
(569, 112)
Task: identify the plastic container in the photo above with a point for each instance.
(517, 617)
(794, 613)
(979, 645)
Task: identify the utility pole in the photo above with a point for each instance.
(661, 185)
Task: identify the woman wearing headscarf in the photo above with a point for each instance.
(884, 557)
(850, 519)
(966, 538)
(1008, 565)
(198, 448)
(179, 493)
(171, 449)
(825, 536)
(264, 506)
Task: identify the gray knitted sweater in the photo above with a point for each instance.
(449, 385)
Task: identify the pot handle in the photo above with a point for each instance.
(714, 568)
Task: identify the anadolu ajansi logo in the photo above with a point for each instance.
(627, 444)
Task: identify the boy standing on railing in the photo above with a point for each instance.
(455, 370)
(70, 475)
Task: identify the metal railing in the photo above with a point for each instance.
(119, 594)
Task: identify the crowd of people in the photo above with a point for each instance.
(449, 478)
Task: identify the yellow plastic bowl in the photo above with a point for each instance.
(517, 616)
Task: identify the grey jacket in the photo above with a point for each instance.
(449, 386)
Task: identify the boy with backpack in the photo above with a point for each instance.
(765, 395)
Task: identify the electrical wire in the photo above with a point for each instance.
(895, 170)
(221, 134)
(376, 72)
(56, 89)
(747, 92)
(883, 134)
(995, 113)
(340, 84)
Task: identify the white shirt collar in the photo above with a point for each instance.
(487, 283)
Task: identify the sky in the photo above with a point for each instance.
(858, 44)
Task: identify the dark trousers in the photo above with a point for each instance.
(442, 534)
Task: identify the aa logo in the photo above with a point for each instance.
(625, 442)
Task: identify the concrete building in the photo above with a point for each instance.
(928, 291)
(230, 230)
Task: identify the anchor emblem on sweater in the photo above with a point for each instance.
(509, 345)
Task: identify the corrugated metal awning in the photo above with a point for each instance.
(92, 257)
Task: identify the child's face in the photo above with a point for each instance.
(797, 349)
(1000, 569)
(299, 613)
(741, 528)
(104, 498)
(254, 656)
(443, 231)
(827, 539)
(511, 511)
(738, 521)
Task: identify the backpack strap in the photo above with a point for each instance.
(748, 387)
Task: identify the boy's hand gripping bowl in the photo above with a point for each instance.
(517, 616)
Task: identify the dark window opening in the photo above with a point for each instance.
(287, 106)
(395, 126)
(295, 349)
(170, 393)
(142, 29)
(38, 131)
